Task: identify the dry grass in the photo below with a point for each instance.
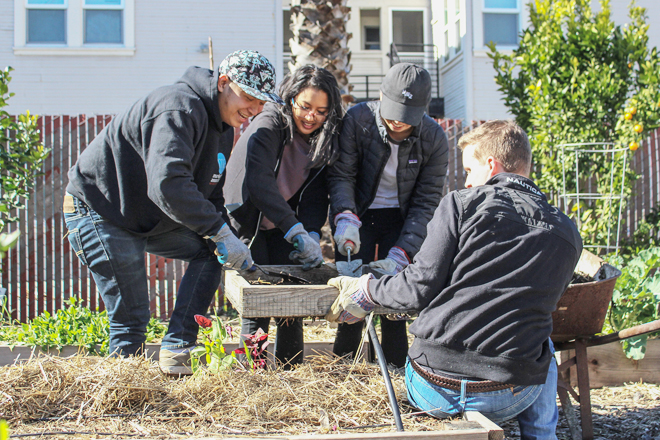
(85, 394)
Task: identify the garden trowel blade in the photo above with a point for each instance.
(352, 269)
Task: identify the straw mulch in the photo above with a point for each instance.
(86, 394)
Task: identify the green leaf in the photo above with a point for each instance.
(635, 347)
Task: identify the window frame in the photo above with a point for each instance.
(480, 28)
(363, 30)
(452, 30)
(75, 28)
(425, 22)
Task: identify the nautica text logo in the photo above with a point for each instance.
(407, 94)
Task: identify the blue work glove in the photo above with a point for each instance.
(231, 251)
(348, 229)
(308, 249)
(396, 261)
(353, 302)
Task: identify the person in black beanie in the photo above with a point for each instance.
(385, 186)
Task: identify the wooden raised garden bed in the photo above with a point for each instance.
(278, 299)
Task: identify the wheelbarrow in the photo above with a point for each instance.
(579, 317)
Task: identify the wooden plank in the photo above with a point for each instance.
(608, 366)
(472, 434)
(494, 431)
(302, 300)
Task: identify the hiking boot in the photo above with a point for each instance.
(175, 361)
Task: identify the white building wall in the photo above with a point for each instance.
(453, 88)
(168, 38)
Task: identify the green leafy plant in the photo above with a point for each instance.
(21, 157)
(74, 325)
(636, 297)
(214, 334)
(577, 77)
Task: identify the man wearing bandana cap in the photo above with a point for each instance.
(151, 181)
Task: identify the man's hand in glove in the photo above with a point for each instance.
(348, 229)
(396, 261)
(353, 302)
(231, 251)
(308, 250)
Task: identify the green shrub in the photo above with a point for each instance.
(578, 77)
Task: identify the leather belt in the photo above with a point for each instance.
(482, 386)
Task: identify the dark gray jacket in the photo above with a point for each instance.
(364, 150)
(251, 185)
(156, 165)
(497, 259)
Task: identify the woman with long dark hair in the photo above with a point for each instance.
(275, 188)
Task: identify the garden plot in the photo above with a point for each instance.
(88, 395)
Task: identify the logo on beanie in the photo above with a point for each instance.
(407, 94)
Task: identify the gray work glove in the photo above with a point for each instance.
(353, 302)
(231, 251)
(348, 230)
(308, 249)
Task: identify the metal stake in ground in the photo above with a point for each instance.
(382, 363)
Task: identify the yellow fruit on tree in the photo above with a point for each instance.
(633, 111)
(638, 128)
(628, 116)
(633, 146)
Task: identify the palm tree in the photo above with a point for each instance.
(320, 38)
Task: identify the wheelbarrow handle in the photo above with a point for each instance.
(626, 333)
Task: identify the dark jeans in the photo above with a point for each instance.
(270, 247)
(379, 227)
(115, 256)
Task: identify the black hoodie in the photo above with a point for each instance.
(155, 166)
(486, 280)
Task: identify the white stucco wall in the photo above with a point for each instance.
(453, 88)
(168, 36)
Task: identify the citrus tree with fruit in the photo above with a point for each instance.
(577, 77)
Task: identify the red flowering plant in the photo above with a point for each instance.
(254, 349)
(214, 334)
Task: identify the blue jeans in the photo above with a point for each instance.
(534, 405)
(116, 258)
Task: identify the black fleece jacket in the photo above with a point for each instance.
(156, 165)
(364, 150)
(486, 281)
(251, 185)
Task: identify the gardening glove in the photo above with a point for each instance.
(353, 302)
(348, 229)
(231, 251)
(396, 261)
(308, 249)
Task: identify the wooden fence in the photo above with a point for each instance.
(41, 272)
